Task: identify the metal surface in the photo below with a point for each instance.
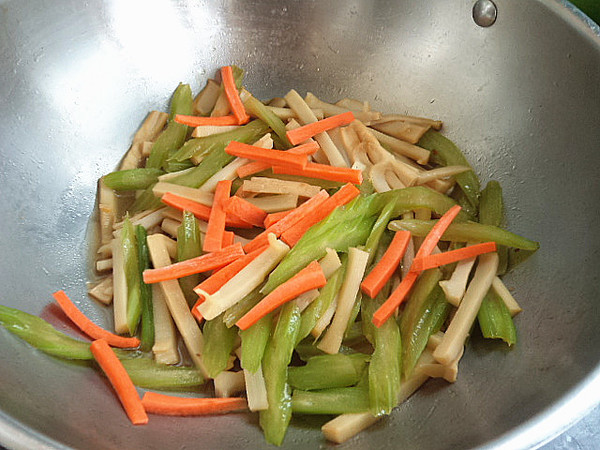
(522, 98)
(485, 13)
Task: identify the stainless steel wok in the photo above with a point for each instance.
(521, 97)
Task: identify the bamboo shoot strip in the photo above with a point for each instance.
(388, 264)
(204, 263)
(90, 328)
(233, 96)
(169, 405)
(266, 155)
(199, 210)
(311, 277)
(323, 172)
(120, 380)
(213, 241)
(307, 131)
(452, 256)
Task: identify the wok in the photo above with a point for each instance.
(521, 97)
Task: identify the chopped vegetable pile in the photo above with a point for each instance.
(314, 258)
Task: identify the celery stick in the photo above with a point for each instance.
(445, 152)
(495, 320)
(331, 401)
(132, 179)
(465, 204)
(189, 246)
(328, 371)
(147, 334)
(218, 345)
(354, 313)
(239, 310)
(132, 275)
(278, 354)
(317, 308)
(467, 232)
(416, 329)
(379, 228)
(177, 166)
(428, 280)
(148, 374)
(146, 200)
(174, 135)
(254, 342)
(256, 108)
(491, 212)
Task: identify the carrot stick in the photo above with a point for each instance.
(213, 283)
(89, 327)
(387, 265)
(266, 155)
(440, 259)
(203, 263)
(169, 405)
(323, 172)
(311, 277)
(233, 96)
(340, 198)
(195, 121)
(119, 378)
(275, 217)
(309, 130)
(246, 210)
(197, 314)
(310, 148)
(305, 209)
(213, 240)
(429, 242)
(228, 238)
(199, 210)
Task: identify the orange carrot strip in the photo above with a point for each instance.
(387, 265)
(213, 283)
(275, 217)
(266, 155)
(203, 263)
(429, 242)
(89, 327)
(228, 238)
(323, 172)
(199, 210)
(340, 198)
(387, 309)
(305, 209)
(249, 212)
(233, 96)
(169, 405)
(213, 240)
(310, 148)
(452, 256)
(196, 121)
(311, 277)
(119, 378)
(307, 131)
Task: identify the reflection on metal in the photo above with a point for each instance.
(484, 13)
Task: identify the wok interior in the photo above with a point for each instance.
(521, 98)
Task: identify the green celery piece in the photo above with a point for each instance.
(197, 147)
(237, 311)
(416, 197)
(306, 350)
(317, 308)
(463, 201)
(447, 153)
(44, 337)
(367, 188)
(218, 345)
(331, 401)
(367, 310)
(495, 320)
(328, 371)
(147, 334)
(254, 343)
(354, 313)
(189, 246)
(278, 354)
(385, 366)
(133, 179)
(491, 212)
(174, 135)
(413, 309)
(132, 275)
(148, 374)
(467, 232)
(379, 228)
(415, 332)
(146, 200)
(256, 108)
(176, 166)
(516, 256)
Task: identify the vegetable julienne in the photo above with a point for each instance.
(357, 279)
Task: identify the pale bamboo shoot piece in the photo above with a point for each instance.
(103, 265)
(256, 390)
(455, 286)
(406, 131)
(275, 203)
(103, 291)
(206, 99)
(165, 335)
(263, 185)
(228, 384)
(428, 176)
(331, 110)
(196, 195)
(148, 221)
(287, 113)
(209, 130)
(107, 206)
(435, 124)
(411, 151)
(303, 300)
(506, 296)
(170, 226)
